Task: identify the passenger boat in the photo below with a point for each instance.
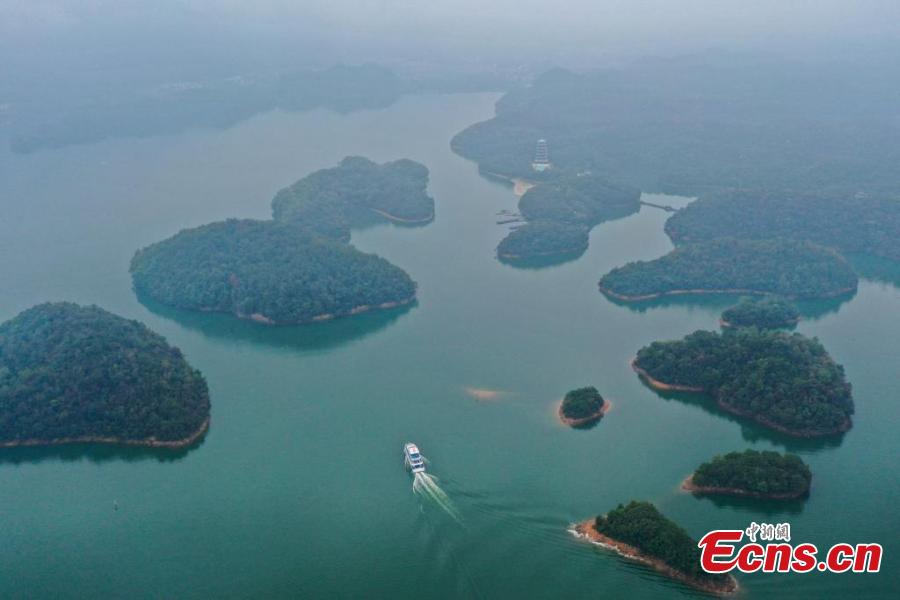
(413, 459)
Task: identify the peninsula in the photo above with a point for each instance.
(785, 267)
(850, 223)
(638, 531)
(267, 271)
(768, 475)
(79, 374)
(786, 382)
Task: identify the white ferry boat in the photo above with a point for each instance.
(413, 459)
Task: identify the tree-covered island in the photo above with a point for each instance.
(767, 474)
(354, 193)
(267, 271)
(783, 381)
(71, 373)
(768, 312)
(543, 238)
(639, 531)
(560, 214)
(779, 266)
(582, 407)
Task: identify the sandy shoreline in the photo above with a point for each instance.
(659, 385)
(263, 319)
(542, 254)
(607, 406)
(147, 443)
(483, 394)
(726, 324)
(585, 530)
(735, 291)
(688, 485)
(397, 219)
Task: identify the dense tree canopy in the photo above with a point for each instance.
(641, 525)
(769, 312)
(784, 381)
(583, 199)
(561, 212)
(73, 372)
(276, 271)
(786, 267)
(850, 223)
(543, 238)
(696, 123)
(356, 192)
(582, 403)
(755, 473)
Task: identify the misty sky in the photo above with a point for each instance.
(82, 46)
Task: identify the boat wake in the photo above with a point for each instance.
(426, 486)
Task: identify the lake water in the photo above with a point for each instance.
(299, 490)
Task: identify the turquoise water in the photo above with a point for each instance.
(299, 490)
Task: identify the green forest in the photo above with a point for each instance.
(354, 193)
(582, 403)
(779, 266)
(784, 381)
(560, 214)
(853, 224)
(768, 312)
(70, 371)
(641, 525)
(280, 271)
(543, 238)
(690, 125)
(757, 473)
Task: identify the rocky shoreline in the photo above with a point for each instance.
(607, 405)
(586, 530)
(688, 485)
(147, 443)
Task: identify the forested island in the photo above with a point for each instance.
(693, 124)
(354, 193)
(768, 312)
(583, 406)
(853, 224)
(267, 271)
(769, 475)
(71, 373)
(779, 266)
(786, 382)
(639, 531)
(561, 213)
(543, 238)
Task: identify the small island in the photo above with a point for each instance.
(640, 532)
(770, 312)
(79, 374)
(786, 382)
(583, 407)
(355, 193)
(270, 272)
(543, 238)
(769, 475)
(790, 268)
(560, 214)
